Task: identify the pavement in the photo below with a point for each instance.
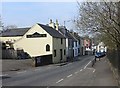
(78, 73)
(12, 65)
(9, 65)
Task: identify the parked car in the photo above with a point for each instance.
(99, 54)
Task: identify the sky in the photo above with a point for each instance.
(26, 14)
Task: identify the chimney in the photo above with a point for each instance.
(57, 25)
(52, 24)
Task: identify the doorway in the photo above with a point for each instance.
(61, 56)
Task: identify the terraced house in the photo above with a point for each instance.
(39, 41)
(69, 43)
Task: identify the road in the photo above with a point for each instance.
(78, 73)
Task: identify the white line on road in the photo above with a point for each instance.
(70, 63)
(93, 70)
(69, 75)
(21, 72)
(76, 72)
(66, 65)
(49, 67)
(89, 68)
(3, 75)
(59, 80)
(37, 69)
(81, 69)
(87, 64)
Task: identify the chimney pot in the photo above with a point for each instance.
(50, 21)
(57, 25)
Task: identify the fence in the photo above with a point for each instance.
(9, 54)
(114, 58)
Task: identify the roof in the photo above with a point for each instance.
(14, 32)
(53, 32)
(77, 36)
(66, 33)
(73, 37)
(22, 31)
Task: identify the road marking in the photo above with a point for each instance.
(66, 65)
(81, 69)
(3, 75)
(90, 68)
(87, 64)
(21, 72)
(93, 70)
(76, 72)
(59, 80)
(37, 69)
(49, 67)
(69, 63)
(69, 75)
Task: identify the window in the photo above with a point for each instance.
(64, 52)
(54, 53)
(76, 43)
(47, 47)
(61, 41)
(68, 42)
(78, 50)
(79, 42)
(87, 45)
(72, 43)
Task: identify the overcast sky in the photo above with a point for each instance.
(25, 14)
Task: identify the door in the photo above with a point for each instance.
(61, 57)
(73, 52)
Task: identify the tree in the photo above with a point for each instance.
(100, 17)
(2, 27)
(10, 27)
(1, 24)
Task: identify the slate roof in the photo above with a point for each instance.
(77, 36)
(22, 31)
(71, 36)
(51, 31)
(74, 38)
(62, 29)
(14, 32)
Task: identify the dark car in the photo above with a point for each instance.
(100, 54)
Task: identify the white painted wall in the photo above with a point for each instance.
(75, 48)
(35, 46)
(67, 52)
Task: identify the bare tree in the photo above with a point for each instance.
(10, 27)
(100, 17)
(1, 24)
(2, 27)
